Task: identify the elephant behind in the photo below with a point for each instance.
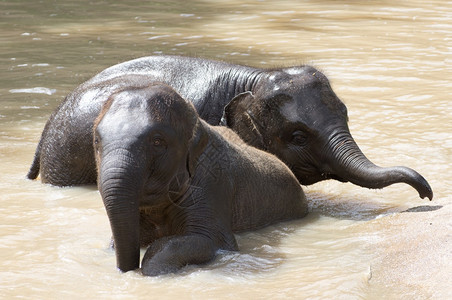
(290, 112)
(178, 185)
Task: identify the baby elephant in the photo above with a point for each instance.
(172, 182)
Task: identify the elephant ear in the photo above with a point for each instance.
(239, 116)
(196, 147)
(230, 111)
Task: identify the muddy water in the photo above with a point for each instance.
(389, 61)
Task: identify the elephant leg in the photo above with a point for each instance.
(170, 254)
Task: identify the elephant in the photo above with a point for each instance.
(179, 186)
(291, 112)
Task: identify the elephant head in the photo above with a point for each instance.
(146, 140)
(294, 114)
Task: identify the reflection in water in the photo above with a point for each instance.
(389, 62)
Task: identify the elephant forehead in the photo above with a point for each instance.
(293, 112)
(289, 111)
(122, 118)
(311, 116)
(124, 121)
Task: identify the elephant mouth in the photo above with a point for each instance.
(150, 209)
(179, 196)
(336, 177)
(317, 177)
(175, 192)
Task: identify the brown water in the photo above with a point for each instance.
(390, 62)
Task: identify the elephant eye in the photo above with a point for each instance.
(158, 142)
(159, 145)
(299, 138)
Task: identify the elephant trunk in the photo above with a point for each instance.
(352, 165)
(120, 194)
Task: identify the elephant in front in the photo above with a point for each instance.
(179, 186)
(290, 112)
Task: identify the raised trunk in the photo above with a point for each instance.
(120, 192)
(350, 164)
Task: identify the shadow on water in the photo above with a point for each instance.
(423, 208)
(356, 209)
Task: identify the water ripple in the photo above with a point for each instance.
(35, 90)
